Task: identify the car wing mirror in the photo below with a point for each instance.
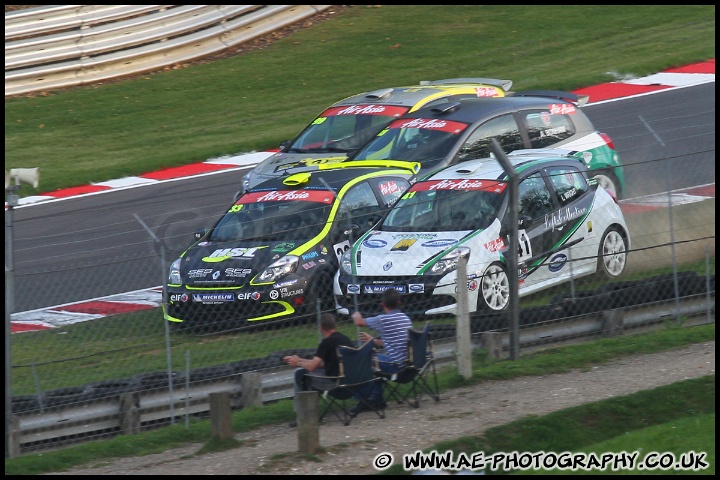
(354, 228)
(200, 233)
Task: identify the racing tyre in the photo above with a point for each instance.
(494, 294)
(612, 253)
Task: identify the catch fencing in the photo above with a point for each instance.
(70, 383)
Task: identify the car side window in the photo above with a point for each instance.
(534, 197)
(358, 207)
(569, 183)
(504, 129)
(545, 128)
(390, 189)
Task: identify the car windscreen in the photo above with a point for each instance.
(446, 205)
(344, 129)
(423, 140)
(297, 215)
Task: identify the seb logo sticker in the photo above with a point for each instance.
(237, 272)
(226, 253)
(199, 272)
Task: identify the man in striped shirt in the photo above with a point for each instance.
(393, 327)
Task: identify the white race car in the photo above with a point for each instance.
(569, 227)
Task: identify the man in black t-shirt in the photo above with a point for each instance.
(325, 361)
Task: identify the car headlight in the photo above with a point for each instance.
(449, 261)
(174, 276)
(278, 269)
(346, 262)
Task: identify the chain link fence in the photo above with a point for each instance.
(77, 369)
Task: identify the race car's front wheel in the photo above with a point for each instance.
(612, 253)
(494, 292)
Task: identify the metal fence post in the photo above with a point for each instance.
(462, 329)
(512, 259)
(165, 322)
(670, 221)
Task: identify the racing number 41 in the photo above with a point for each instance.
(524, 247)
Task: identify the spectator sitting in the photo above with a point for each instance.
(324, 363)
(393, 327)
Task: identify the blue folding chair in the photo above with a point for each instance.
(356, 380)
(418, 375)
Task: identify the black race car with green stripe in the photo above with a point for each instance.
(272, 255)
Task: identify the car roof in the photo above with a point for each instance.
(337, 175)
(470, 110)
(491, 168)
(417, 96)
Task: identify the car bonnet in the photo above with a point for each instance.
(279, 163)
(221, 264)
(383, 253)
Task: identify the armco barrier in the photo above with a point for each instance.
(68, 45)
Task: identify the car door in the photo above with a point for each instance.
(477, 145)
(566, 225)
(362, 206)
(535, 203)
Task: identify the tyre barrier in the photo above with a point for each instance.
(63, 397)
(211, 373)
(500, 321)
(276, 358)
(653, 289)
(583, 302)
(541, 314)
(25, 404)
(157, 380)
(442, 331)
(252, 364)
(110, 389)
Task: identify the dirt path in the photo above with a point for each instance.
(465, 411)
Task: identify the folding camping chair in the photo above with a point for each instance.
(418, 376)
(357, 376)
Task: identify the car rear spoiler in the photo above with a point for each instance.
(578, 100)
(495, 82)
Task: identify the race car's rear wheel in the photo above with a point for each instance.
(494, 294)
(609, 182)
(612, 253)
